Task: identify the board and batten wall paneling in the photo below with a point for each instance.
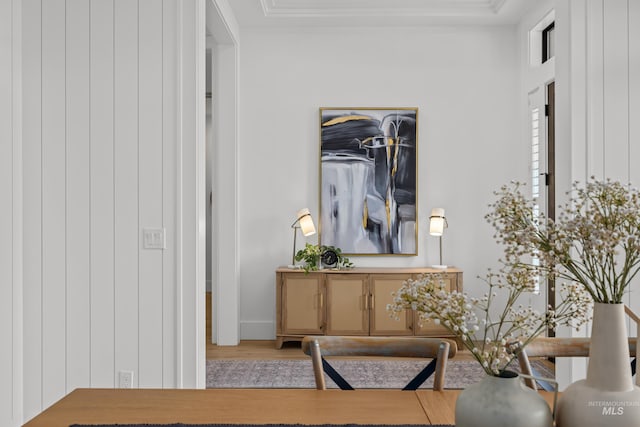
(102, 247)
(612, 92)
(609, 56)
(634, 94)
(150, 188)
(126, 186)
(595, 80)
(169, 178)
(32, 149)
(78, 178)
(6, 213)
(191, 36)
(616, 85)
(104, 135)
(634, 121)
(54, 196)
(11, 402)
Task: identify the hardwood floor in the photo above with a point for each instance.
(255, 350)
(250, 349)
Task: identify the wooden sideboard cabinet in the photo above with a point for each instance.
(349, 302)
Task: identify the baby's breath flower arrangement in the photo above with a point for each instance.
(493, 341)
(595, 241)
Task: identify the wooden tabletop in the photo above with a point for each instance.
(440, 405)
(235, 406)
(251, 406)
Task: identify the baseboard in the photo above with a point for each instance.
(257, 330)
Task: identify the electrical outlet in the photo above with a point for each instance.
(125, 379)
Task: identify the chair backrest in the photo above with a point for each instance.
(437, 349)
(559, 347)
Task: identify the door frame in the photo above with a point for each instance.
(224, 30)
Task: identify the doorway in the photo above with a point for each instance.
(542, 167)
(210, 256)
(222, 181)
(550, 112)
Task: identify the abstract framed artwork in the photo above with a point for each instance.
(368, 180)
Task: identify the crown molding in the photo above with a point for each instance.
(380, 8)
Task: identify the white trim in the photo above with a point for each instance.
(257, 330)
(324, 8)
(225, 51)
(535, 39)
(179, 206)
(201, 197)
(17, 214)
(571, 123)
(221, 23)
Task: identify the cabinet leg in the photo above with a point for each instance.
(279, 341)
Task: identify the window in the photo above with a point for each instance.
(535, 153)
(548, 42)
(535, 175)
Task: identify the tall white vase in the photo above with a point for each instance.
(501, 402)
(607, 397)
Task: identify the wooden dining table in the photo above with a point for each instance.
(250, 406)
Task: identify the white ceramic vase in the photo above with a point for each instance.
(501, 402)
(607, 397)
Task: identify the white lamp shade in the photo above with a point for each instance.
(306, 222)
(436, 222)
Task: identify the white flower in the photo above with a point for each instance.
(491, 339)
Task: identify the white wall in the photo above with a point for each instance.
(10, 216)
(113, 144)
(600, 76)
(465, 82)
(598, 101)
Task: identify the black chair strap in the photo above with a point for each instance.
(633, 366)
(416, 382)
(422, 376)
(335, 376)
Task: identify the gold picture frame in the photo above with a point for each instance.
(368, 180)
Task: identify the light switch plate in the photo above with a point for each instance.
(153, 238)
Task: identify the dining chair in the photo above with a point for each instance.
(560, 347)
(437, 349)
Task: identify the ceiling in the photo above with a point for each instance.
(336, 13)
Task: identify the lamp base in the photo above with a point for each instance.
(439, 266)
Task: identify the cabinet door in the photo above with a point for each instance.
(381, 286)
(430, 328)
(347, 304)
(302, 304)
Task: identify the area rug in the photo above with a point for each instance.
(359, 373)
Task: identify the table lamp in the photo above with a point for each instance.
(437, 224)
(305, 223)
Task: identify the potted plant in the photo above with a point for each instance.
(314, 256)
